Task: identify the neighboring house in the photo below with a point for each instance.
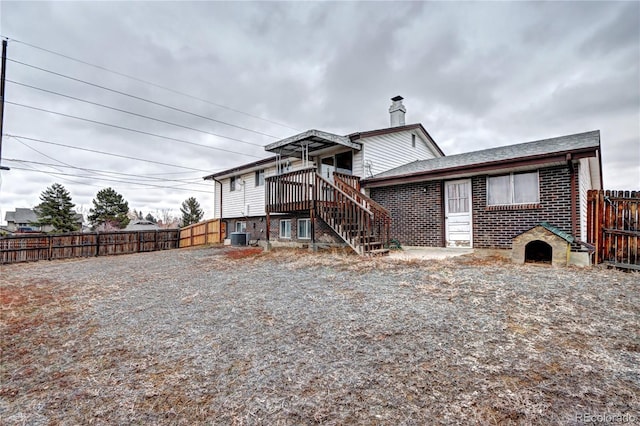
(22, 220)
(141, 225)
(367, 187)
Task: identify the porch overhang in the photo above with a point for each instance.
(313, 140)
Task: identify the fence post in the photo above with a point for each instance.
(50, 247)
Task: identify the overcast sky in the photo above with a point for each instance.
(476, 75)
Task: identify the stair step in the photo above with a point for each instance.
(378, 252)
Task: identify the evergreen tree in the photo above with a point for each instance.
(56, 209)
(109, 209)
(191, 211)
(150, 218)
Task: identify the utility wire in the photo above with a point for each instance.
(105, 172)
(151, 84)
(114, 180)
(132, 113)
(42, 153)
(106, 153)
(141, 99)
(129, 129)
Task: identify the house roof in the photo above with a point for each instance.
(558, 149)
(141, 225)
(313, 140)
(242, 168)
(23, 215)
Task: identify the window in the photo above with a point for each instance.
(260, 177)
(521, 188)
(232, 183)
(285, 228)
(413, 141)
(241, 226)
(304, 229)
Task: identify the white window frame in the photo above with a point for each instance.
(259, 177)
(306, 222)
(287, 224)
(511, 201)
(232, 183)
(241, 226)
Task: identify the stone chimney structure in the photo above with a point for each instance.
(397, 112)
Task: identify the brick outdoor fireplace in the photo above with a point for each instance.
(542, 244)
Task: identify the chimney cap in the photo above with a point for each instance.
(397, 98)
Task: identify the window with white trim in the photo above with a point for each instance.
(285, 228)
(413, 141)
(304, 229)
(514, 188)
(232, 183)
(241, 226)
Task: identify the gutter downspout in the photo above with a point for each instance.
(214, 193)
(573, 194)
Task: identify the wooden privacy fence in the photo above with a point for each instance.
(29, 248)
(613, 227)
(201, 233)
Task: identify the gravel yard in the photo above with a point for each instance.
(238, 337)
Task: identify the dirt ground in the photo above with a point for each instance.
(240, 337)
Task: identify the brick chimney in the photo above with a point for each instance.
(397, 111)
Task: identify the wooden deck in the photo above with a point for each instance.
(358, 220)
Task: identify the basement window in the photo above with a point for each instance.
(512, 189)
(285, 228)
(241, 226)
(304, 229)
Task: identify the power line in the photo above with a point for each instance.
(113, 180)
(95, 151)
(152, 84)
(130, 129)
(142, 99)
(133, 113)
(105, 172)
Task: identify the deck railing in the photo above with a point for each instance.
(356, 218)
(381, 221)
(351, 180)
(344, 214)
(290, 191)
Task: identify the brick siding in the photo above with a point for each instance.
(417, 211)
(257, 227)
(496, 228)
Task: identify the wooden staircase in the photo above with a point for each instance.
(357, 219)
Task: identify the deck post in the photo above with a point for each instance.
(312, 216)
(267, 247)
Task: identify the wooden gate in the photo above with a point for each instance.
(613, 227)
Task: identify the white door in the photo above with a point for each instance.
(457, 214)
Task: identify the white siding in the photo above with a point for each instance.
(358, 164)
(584, 184)
(234, 203)
(385, 152)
